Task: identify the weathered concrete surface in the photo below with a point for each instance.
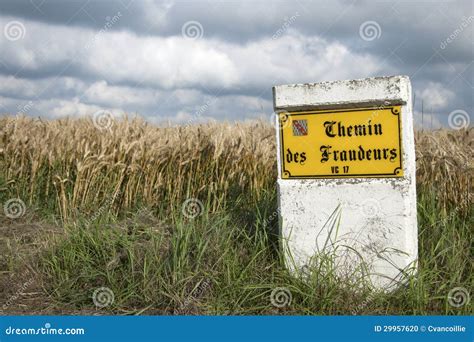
(343, 94)
(378, 217)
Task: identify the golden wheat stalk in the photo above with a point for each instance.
(135, 163)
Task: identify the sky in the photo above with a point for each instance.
(194, 61)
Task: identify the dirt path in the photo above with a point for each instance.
(21, 287)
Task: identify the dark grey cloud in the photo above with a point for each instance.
(91, 14)
(245, 48)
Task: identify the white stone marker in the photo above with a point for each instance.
(346, 176)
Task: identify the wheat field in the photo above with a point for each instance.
(137, 179)
(79, 166)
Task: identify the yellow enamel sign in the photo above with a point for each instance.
(341, 143)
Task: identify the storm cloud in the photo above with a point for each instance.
(181, 60)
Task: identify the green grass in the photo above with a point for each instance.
(105, 210)
(228, 262)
